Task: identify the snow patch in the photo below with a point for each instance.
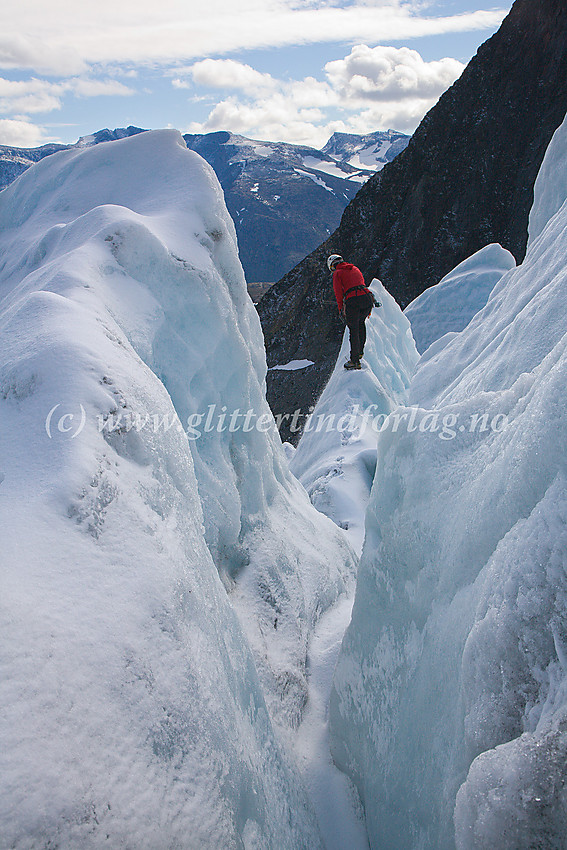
(262, 150)
(325, 167)
(315, 179)
(293, 365)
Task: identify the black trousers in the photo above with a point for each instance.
(357, 310)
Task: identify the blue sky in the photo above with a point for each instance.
(280, 70)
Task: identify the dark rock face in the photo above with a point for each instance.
(465, 180)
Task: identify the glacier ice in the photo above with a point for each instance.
(448, 307)
(169, 592)
(449, 707)
(550, 190)
(140, 564)
(335, 461)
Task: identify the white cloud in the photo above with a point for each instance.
(17, 51)
(20, 133)
(312, 92)
(228, 74)
(403, 116)
(35, 95)
(89, 46)
(370, 89)
(271, 118)
(29, 96)
(390, 74)
(19, 88)
(97, 88)
(63, 38)
(30, 104)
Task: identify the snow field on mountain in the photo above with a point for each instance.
(450, 696)
(134, 713)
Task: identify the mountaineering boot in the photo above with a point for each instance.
(353, 364)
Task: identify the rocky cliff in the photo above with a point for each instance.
(465, 180)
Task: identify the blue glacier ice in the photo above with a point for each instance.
(449, 707)
(159, 589)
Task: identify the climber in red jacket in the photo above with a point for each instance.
(355, 302)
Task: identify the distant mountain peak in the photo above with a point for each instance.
(370, 151)
(107, 135)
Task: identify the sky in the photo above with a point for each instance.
(275, 70)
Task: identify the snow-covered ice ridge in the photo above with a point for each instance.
(449, 708)
(158, 594)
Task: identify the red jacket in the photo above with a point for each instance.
(344, 277)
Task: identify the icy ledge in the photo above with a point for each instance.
(448, 307)
(336, 456)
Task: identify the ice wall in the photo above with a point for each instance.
(448, 307)
(450, 698)
(183, 305)
(550, 190)
(133, 712)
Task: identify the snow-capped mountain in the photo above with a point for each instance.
(371, 151)
(284, 199)
(107, 135)
(281, 197)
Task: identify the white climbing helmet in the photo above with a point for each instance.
(333, 261)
